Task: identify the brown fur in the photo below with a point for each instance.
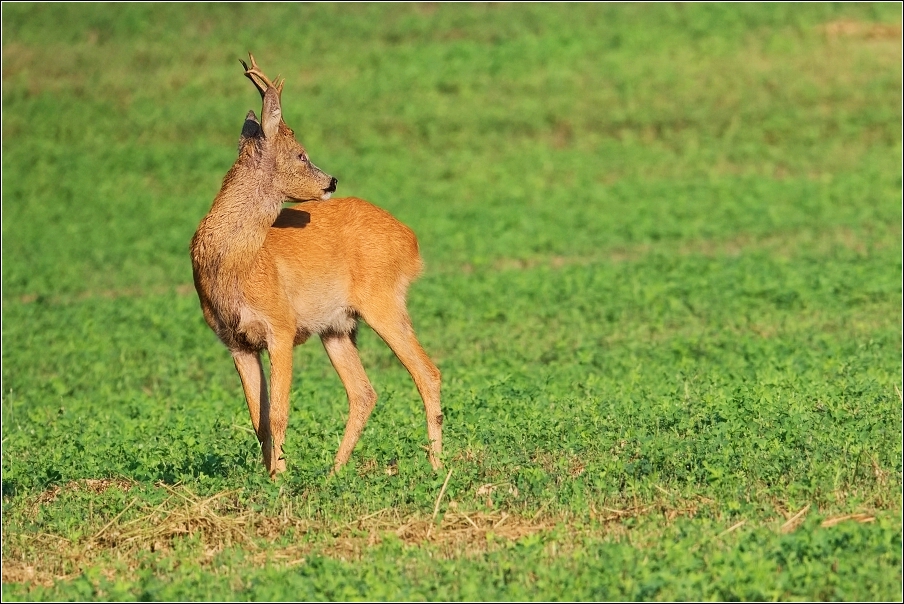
(268, 278)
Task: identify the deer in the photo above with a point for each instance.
(270, 275)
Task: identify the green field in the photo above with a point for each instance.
(663, 282)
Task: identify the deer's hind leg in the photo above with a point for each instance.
(391, 321)
(343, 353)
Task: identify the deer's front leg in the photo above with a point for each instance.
(276, 414)
(251, 371)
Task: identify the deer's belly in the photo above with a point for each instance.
(322, 317)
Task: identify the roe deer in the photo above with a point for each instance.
(269, 277)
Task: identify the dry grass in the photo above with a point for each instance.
(848, 28)
(861, 518)
(92, 485)
(220, 522)
(795, 521)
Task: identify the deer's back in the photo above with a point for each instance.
(332, 257)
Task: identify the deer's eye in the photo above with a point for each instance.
(302, 157)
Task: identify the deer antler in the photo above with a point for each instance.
(258, 78)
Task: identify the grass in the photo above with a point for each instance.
(663, 249)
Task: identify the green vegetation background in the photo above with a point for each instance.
(663, 284)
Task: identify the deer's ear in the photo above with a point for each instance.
(251, 132)
(271, 113)
(252, 127)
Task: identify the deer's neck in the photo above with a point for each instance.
(229, 239)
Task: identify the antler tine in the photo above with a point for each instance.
(258, 78)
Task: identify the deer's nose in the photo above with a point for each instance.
(332, 186)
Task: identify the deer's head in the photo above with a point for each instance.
(281, 157)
